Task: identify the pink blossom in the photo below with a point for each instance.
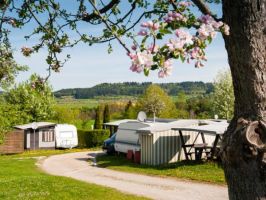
(143, 32)
(175, 44)
(194, 53)
(155, 26)
(153, 48)
(210, 26)
(217, 25)
(144, 25)
(170, 14)
(183, 35)
(141, 60)
(184, 3)
(144, 58)
(166, 69)
(168, 19)
(206, 19)
(136, 68)
(205, 31)
(174, 16)
(150, 25)
(168, 64)
(197, 53)
(132, 56)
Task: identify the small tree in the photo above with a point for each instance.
(129, 112)
(97, 122)
(156, 101)
(223, 101)
(106, 114)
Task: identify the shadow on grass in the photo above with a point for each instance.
(105, 161)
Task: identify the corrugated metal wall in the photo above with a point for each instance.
(165, 147)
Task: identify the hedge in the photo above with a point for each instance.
(92, 138)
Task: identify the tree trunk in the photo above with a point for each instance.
(243, 155)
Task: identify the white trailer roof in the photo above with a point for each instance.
(116, 123)
(162, 126)
(36, 124)
(212, 128)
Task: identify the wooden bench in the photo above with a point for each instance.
(200, 148)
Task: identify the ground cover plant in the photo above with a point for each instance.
(197, 171)
(21, 179)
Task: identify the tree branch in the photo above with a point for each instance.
(93, 15)
(205, 9)
(173, 4)
(110, 28)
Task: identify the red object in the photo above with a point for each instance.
(137, 157)
(130, 154)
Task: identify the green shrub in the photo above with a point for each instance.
(92, 138)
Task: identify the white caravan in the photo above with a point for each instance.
(66, 136)
(127, 137)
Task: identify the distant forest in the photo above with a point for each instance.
(135, 89)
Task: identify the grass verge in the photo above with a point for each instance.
(21, 179)
(198, 171)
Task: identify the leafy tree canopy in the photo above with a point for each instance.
(33, 100)
(224, 95)
(156, 101)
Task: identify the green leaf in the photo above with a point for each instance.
(159, 36)
(165, 31)
(146, 72)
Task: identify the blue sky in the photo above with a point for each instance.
(91, 65)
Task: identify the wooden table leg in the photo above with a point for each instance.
(183, 144)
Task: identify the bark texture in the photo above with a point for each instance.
(244, 149)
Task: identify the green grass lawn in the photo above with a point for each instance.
(49, 152)
(21, 179)
(197, 171)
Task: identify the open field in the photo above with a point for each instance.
(92, 103)
(21, 179)
(197, 171)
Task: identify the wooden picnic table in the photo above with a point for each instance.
(203, 147)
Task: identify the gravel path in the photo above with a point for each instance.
(75, 165)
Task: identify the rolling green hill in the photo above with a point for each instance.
(134, 89)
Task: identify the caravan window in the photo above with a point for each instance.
(48, 136)
(66, 134)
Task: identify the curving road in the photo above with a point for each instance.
(75, 165)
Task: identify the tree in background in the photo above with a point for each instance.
(155, 101)
(33, 100)
(97, 122)
(106, 114)
(200, 107)
(181, 106)
(64, 114)
(223, 98)
(130, 112)
(9, 117)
